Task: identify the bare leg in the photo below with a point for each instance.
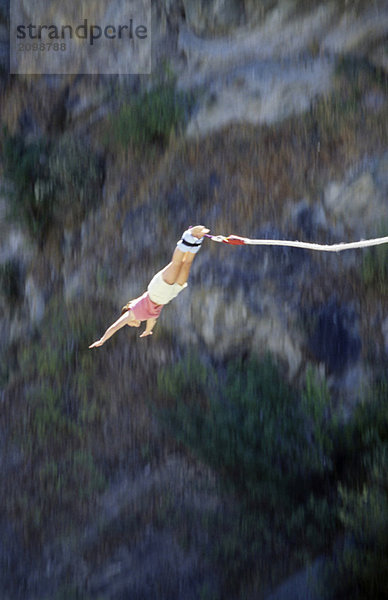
(171, 272)
(184, 272)
(180, 264)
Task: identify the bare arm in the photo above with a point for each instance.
(125, 319)
(149, 327)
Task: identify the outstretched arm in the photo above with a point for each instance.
(126, 319)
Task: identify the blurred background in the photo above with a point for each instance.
(241, 451)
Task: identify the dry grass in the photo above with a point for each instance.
(259, 168)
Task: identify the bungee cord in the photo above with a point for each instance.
(235, 240)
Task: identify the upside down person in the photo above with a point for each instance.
(163, 287)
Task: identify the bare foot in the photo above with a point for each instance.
(198, 231)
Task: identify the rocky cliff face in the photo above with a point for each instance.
(276, 146)
(253, 63)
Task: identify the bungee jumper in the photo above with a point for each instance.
(163, 287)
(171, 280)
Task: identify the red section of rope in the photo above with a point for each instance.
(235, 240)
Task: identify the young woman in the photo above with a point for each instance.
(163, 287)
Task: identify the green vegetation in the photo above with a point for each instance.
(26, 168)
(272, 450)
(53, 429)
(363, 564)
(361, 73)
(10, 281)
(150, 118)
(361, 569)
(69, 592)
(255, 410)
(299, 478)
(52, 181)
(4, 15)
(77, 174)
(375, 266)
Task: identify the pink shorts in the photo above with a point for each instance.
(143, 308)
(162, 293)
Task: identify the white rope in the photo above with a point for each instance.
(307, 245)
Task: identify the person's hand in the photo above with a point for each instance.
(96, 344)
(145, 333)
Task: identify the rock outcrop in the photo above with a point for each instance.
(249, 64)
